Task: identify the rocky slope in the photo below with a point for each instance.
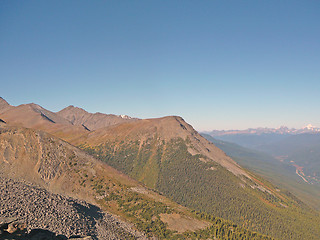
(40, 209)
(54, 165)
(59, 168)
(166, 154)
(169, 155)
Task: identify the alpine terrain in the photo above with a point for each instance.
(159, 176)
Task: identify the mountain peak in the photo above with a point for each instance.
(258, 131)
(92, 121)
(72, 109)
(3, 101)
(310, 127)
(163, 130)
(4, 105)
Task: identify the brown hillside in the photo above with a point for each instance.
(4, 105)
(36, 117)
(165, 128)
(93, 121)
(44, 160)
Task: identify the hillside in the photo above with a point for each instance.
(164, 129)
(36, 117)
(92, 121)
(301, 151)
(298, 148)
(279, 173)
(169, 155)
(56, 213)
(297, 155)
(250, 158)
(58, 167)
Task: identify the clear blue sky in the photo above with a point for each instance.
(218, 64)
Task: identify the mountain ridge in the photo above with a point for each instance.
(4, 105)
(264, 130)
(168, 155)
(165, 128)
(92, 121)
(40, 158)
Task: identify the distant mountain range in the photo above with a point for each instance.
(296, 147)
(258, 131)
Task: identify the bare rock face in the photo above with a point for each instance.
(11, 225)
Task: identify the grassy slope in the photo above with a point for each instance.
(54, 164)
(206, 186)
(148, 167)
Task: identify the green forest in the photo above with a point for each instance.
(205, 186)
(145, 212)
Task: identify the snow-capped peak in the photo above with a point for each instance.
(125, 116)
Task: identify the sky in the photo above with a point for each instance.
(217, 64)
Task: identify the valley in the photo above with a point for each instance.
(286, 158)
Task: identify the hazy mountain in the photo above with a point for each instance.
(257, 137)
(60, 168)
(253, 141)
(92, 121)
(298, 148)
(301, 151)
(279, 173)
(258, 131)
(249, 158)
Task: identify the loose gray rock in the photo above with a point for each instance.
(51, 216)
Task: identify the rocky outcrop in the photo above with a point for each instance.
(14, 228)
